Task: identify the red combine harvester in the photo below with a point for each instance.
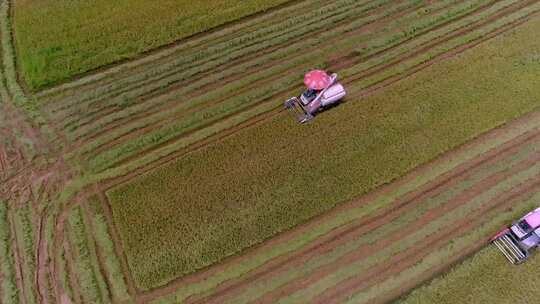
(322, 91)
(517, 241)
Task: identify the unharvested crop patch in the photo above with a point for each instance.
(60, 39)
(253, 184)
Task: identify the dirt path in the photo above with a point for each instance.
(41, 278)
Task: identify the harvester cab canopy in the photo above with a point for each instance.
(308, 96)
(322, 91)
(517, 241)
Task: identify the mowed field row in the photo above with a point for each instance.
(372, 249)
(130, 119)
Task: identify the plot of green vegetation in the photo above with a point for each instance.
(59, 39)
(236, 193)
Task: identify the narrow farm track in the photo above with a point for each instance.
(350, 232)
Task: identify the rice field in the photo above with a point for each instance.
(87, 35)
(168, 205)
(177, 177)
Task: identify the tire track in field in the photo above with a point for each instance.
(427, 188)
(372, 89)
(42, 257)
(371, 249)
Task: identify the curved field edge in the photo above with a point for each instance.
(257, 186)
(91, 36)
(486, 277)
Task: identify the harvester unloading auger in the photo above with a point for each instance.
(517, 241)
(323, 90)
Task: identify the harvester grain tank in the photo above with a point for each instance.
(322, 91)
(517, 241)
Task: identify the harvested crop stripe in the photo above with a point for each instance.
(257, 198)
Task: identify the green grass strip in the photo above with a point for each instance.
(106, 245)
(10, 291)
(89, 279)
(22, 221)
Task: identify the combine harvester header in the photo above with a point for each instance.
(517, 241)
